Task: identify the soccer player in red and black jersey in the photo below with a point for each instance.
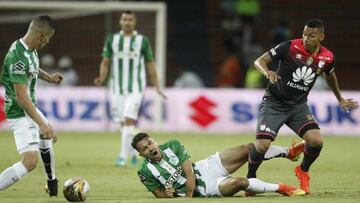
(299, 63)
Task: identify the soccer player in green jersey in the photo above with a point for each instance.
(167, 170)
(32, 132)
(125, 55)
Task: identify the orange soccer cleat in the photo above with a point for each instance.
(296, 150)
(289, 190)
(303, 178)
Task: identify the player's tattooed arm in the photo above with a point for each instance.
(261, 64)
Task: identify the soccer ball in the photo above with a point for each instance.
(76, 189)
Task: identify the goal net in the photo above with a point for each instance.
(82, 28)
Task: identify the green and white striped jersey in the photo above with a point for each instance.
(128, 56)
(169, 171)
(21, 66)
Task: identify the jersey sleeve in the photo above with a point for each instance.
(180, 151)
(18, 71)
(146, 50)
(107, 50)
(331, 67)
(280, 50)
(150, 182)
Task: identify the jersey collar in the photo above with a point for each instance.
(134, 32)
(24, 44)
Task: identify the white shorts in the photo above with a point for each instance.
(125, 106)
(212, 173)
(26, 133)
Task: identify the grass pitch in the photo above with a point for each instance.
(334, 176)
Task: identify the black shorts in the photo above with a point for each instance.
(273, 114)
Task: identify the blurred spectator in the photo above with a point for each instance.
(188, 79)
(47, 63)
(65, 65)
(248, 10)
(230, 72)
(254, 79)
(280, 33)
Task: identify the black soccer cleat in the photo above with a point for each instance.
(52, 187)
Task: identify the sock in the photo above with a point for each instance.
(255, 159)
(259, 186)
(310, 155)
(48, 158)
(126, 138)
(12, 174)
(276, 151)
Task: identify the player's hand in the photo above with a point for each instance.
(47, 131)
(161, 93)
(272, 76)
(347, 104)
(169, 191)
(98, 81)
(56, 78)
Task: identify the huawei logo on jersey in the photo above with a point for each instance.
(304, 74)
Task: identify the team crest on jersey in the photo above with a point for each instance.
(309, 60)
(173, 160)
(321, 63)
(18, 68)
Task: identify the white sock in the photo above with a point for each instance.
(126, 138)
(48, 158)
(259, 186)
(12, 174)
(276, 151)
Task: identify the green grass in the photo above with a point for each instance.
(334, 177)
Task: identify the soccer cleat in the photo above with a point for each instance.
(134, 160)
(52, 187)
(303, 178)
(289, 190)
(296, 150)
(120, 162)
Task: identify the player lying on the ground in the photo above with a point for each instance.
(167, 171)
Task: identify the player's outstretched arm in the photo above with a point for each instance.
(190, 177)
(55, 78)
(345, 104)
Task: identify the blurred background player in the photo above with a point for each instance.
(129, 53)
(167, 170)
(32, 132)
(66, 68)
(301, 61)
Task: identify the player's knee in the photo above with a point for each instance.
(262, 147)
(314, 139)
(240, 183)
(30, 162)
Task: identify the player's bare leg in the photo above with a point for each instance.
(312, 150)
